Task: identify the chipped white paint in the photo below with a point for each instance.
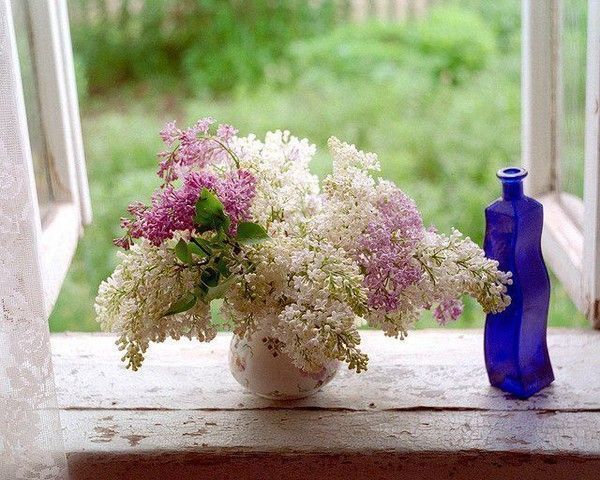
(183, 415)
(435, 368)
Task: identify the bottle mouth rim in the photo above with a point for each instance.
(511, 173)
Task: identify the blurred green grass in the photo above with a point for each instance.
(441, 121)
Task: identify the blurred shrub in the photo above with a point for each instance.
(217, 46)
(213, 45)
(454, 41)
(80, 79)
(373, 49)
(449, 44)
(503, 16)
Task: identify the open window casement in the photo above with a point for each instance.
(42, 144)
(571, 239)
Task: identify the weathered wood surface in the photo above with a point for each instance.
(433, 369)
(423, 408)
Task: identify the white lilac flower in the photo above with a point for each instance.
(349, 195)
(309, 293)
(133, 302)
(287, 193)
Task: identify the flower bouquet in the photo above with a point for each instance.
(297, 266)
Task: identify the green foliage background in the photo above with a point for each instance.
(438, 99)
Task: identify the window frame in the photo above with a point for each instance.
(571, 238)
(54, 240)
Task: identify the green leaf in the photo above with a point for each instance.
(216, 240)
(219, 290)
(210, 277)
(222, 267)
(210, 213)
(209, 203)
(182, 252)
(250, 233)
(183, 304)
(204, 245)
(196, 249)
(226, 225)
(202, 228)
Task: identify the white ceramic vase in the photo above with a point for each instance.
(259, 365)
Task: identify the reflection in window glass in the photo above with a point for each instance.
(573, 77)
(39, 150)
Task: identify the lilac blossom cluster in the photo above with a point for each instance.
(173, 209)
(448, 310)
(386, 250)
(244, 220)
(406, 267)
(193, 148)
(193, 152)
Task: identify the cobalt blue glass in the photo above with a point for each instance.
(516, 354)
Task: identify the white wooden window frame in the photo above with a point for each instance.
(571, 239)
(54, 240)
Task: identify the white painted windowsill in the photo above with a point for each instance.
(424, 409)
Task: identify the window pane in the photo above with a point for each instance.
(39, 150)
(573, 76)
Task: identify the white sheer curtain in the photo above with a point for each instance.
(30, 435)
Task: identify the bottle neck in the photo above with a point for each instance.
(512, 182)
(512, 190)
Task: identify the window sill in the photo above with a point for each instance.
(424, 408)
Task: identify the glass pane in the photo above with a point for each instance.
(573, 76)
(39, 150)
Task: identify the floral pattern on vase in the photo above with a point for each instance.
(259, 364)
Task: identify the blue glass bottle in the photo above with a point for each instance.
(516, 354)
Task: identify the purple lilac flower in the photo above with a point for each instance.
(194, 182)
(448, 310)
(192, 148)
(226, 131)
(170, 133)
(165, 167)
(386, 251)
(203, 125)
(123, 242)
(174, 209)
(171, 210)
(237, 192)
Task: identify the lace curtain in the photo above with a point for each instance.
(30, 435)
